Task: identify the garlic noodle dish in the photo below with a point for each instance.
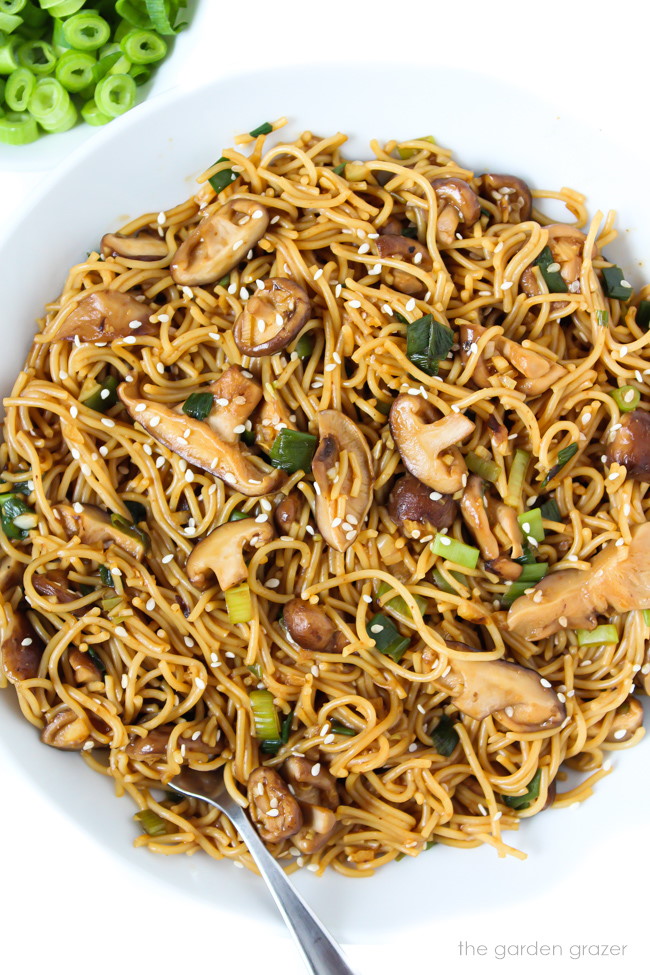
(333, 480)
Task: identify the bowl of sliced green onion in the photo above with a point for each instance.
(67, 62)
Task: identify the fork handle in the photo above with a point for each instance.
(322, 955)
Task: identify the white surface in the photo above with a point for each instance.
(575, 887)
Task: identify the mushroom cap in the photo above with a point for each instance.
(265, 786)
(475, 516)
(219, 242)
(242, 395)
(536, 372)
(512, 693)
(398, 248)
(309, 626)
(83, 666)
(287, 512)
(203, 448)
(55, 583)
(309, 787)
(138, 247)
(272, 317)
(411, 506)
(426, 443)
(628, 718)
(94, 526)
(20, 659)
(341, 475)
(618, 580)
(222, 550)
(511, 194)
(631, 445)
(66, 730)
(103, 316)
(154, 744)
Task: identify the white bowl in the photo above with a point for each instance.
(146, 161)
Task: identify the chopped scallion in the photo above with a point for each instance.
(341, 729)
(533, 572)
(643, 314)
(223, 178)
(103, 397)
(531, 524)
(339, 170)
(106, 576)
(455, 551)
(136, 533)
(563, 457)
(514, 591)
(627, 398)
(615, 285)
(646, 617)
(237, 515)
(198, 405)
(532, 793)
(293, 451)
(554, 280)
(273, 745)
(489, 470)
(304, 346)
(262, 129)
(602, 317)
(607, 633)
(427, 343)
(444, 736)
(397, 604)
(151, 822)
(442, 583)
(516, 478)
(265, 716)
(387, 637)
(238, 603)
(550, 510)
(137, 511)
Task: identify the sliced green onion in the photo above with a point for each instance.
(256, 669)
(198, 405)
(304, 346)
(550, 510)
(643, 315)
(615, 285)
(96, 659)
(238, 603)
(110, 603)
(106, 64)
(341, 729)
(444, 736)
(489, 470)
(646, 617)
(340, 169)
(293, 451)
(143, 46)
(38, 56)
(92, 115)
(115, 94)
(602, 317)
(532, 793)
(455, 551)
(86, 31)
(388, 639)
(14, 508)
(9, 22)
(554, 280)
(531, 524)
(133, 12)
(442, 583)
(405, 153)
(411, 232)
(383, 408)
(265, 716)
(12, 6)
(141, 73)
(514, 591)
(151, 822)
(75, 70)
(137, 511)
(516, 478)
(223, 178)
(398, 605)
(19, 88)
(61, 8)
(103, 397)
(237, 515)
(18, 128)
(607, 633)
(271, 746)
(106, 576)
(262, 129)
(427, 343)
(627, 398)
(533, 572)
(51, 106)
(563, 457)
(136, 533)
(158, 12)
(8, 54)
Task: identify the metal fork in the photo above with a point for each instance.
(321, 953)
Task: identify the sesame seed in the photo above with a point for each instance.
(482, 809)
(130, 340)
(74, 412)
(366, 598)
(329, 739)
(330, 366)
(510, 711)
(120, 631)
(26, 642)
(237, 245)
(413, 747)
(625, 284)
(554, 267)
(108, 422)
(124, 680)
(315, 769)
(418, 258)
(150, 605)
(166, 558)
(506, 285)
(141, 407)
(273, 812)
(272, 583)
(562, 620)
(545, 683)
(200, 683)
(621, 733)
(376, 628)
(410, 304)
(354, 303)
(161, 217)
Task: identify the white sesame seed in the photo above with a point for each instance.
(545, 683)
(166, 558)
(120, 631)
(200, 683)
(410, 304)
(26, 642)
(553, 268)
(315, 769)
(506, 285)
(141, 407)
(108, 422)
(354, 303)
(621, 733)
(272, 583)
(413, 747)
(124, 680)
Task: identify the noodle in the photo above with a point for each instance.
(163, 651)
